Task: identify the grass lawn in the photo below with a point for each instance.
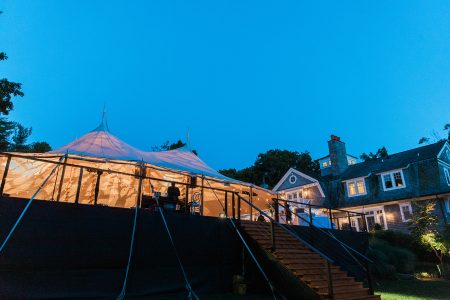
(412, 289)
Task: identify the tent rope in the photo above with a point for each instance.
(191, 293)
(28, 205)
(133, 235)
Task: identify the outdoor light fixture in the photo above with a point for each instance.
(222, 215)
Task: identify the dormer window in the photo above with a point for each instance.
(356, 187)
(393, 180)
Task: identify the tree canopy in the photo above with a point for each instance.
(270, 166)
(381, 153)
(171, 146)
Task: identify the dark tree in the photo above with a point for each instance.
(171, 146)
(39, 147)
(8, 89)
(381, 153)
(6, 130)
(20, 137)
(272, 165)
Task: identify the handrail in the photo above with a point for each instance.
(323, 207)
(253, 257)
(346, 248)
(291, 232)
(332, 236)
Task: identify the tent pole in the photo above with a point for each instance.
(62, 179)
(186, 200)
(202, 199)
(5, 173)
(226, 204)
(97, 186)
(251, 201)
(80, 177)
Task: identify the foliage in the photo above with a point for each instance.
(8, 89)
(171, 146)
(436, 137)
(272, 165)
(381, 153)
(390, 259)
(424, 230)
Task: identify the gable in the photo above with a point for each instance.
(292, 179)
(444, 155)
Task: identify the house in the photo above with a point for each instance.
(384, 189)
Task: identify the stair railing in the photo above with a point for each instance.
(350, 250)
(291, 232)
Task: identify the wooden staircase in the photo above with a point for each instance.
(308, 266)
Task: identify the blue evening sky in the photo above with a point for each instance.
(242, 76)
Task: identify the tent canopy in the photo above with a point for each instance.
(102, 144)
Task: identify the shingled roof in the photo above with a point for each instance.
(394, 161)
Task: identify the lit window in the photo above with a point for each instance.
(351, 188)
(289, 197)
(447, 175)
(393, 180)
(324, 164)
(300, 194)
(406, 212)
(294, 195)
(361, 188)
(356, 187)
(329, 163)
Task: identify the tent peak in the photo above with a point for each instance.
(103, 124)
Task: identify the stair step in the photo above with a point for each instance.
(317, 271)
(350, 294)
(324, 276)
(338, 287)
(368, 297)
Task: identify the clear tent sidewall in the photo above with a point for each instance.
(117, 182)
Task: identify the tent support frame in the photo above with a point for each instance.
(5, 174)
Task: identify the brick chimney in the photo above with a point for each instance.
(338, 155)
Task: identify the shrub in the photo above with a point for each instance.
(403, 240)
(389, 259)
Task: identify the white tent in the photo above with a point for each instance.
(100, 169)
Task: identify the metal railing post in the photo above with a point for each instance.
(239, 208)
(349, 221)
(277, 212)
(233, 205)
(226, 204)
(331, 218)
(330, 281)
(369, 278)
(80, 178)
(272, 234)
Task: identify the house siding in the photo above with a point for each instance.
(394, 218)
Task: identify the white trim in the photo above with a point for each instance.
(292, 170)
(355, 181)
(447, 175)
(295, 179)
(446, 145)
(391, 173)
(443, 163)
(356, 178)
(401, 205)
(447, 204)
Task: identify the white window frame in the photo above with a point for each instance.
(391, 174)
(355, 181)
(401, 211)
(447, 175)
